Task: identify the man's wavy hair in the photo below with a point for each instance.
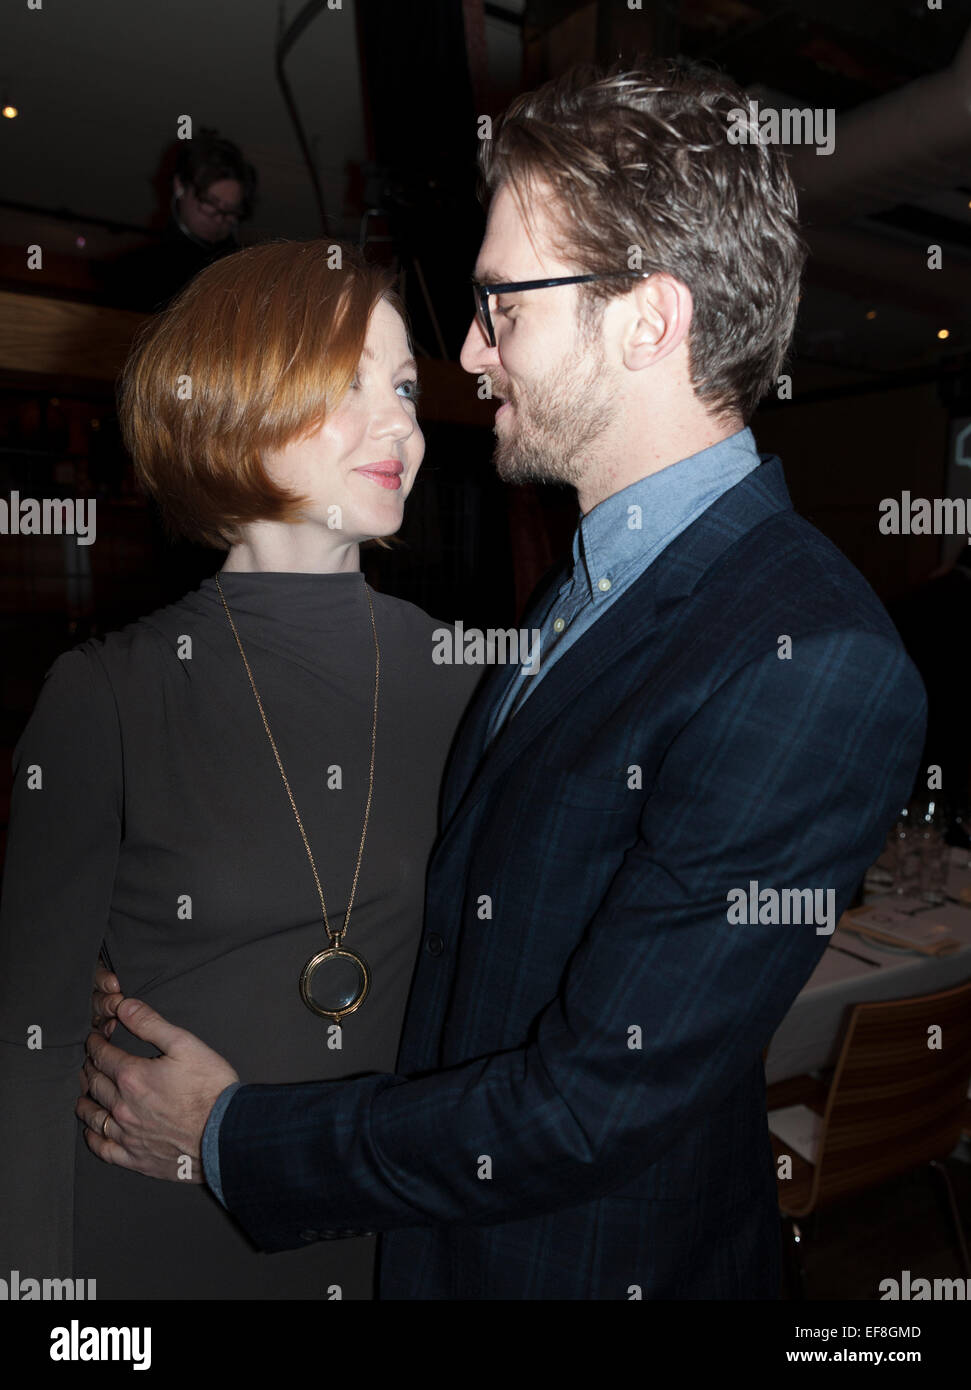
(641, 158)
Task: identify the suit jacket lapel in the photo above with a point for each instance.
(625, 624)
(470, 743)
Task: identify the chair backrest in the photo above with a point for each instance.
(898, 1093)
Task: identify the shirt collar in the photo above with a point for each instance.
(617, 532)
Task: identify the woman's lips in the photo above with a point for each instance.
(384, 475)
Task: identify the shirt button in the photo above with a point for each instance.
(603, 585)
(559, 625)
(434, 944)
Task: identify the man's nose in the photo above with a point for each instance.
(476, 355)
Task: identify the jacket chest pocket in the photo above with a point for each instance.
(556, 843)
(611, 795)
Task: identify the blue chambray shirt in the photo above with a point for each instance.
(615, 543)
(609, 553)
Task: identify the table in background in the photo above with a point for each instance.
(809, 1037)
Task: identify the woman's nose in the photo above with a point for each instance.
(397, 422)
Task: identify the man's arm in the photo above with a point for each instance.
(788, 775)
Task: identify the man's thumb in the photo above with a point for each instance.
(142, 1020)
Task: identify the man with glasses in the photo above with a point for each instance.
(213, 189)
(722, 704)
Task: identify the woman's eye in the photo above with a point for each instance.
(413, 388)
(503, 308)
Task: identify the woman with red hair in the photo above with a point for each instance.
(238, 793)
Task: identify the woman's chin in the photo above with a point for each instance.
(385, 521)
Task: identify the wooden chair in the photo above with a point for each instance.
(894, 1104)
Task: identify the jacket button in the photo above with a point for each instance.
(434, 944)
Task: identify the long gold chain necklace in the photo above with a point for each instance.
(335, 981)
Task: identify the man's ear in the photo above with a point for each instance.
(659, 310)
(178, 186)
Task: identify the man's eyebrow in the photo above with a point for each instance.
(491, 277)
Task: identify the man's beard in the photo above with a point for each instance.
(556, 422)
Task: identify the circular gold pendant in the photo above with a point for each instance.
(334, 982)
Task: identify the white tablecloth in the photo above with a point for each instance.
(811, 1033)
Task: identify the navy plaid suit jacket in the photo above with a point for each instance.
(578, 1110)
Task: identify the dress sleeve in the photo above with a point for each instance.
(65, 831)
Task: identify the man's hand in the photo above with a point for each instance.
(149, 1113)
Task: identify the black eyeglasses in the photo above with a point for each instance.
(482, 293)
(215, 209)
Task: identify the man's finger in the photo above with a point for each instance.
(105, 1056)
(105, 1003)
(100, 1088)
(94, 1116)
(142, 1020)
(90, 1112)
(108, 1151)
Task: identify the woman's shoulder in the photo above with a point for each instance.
(402, 614)
(414, 621)
(426, 638)
(139, 652)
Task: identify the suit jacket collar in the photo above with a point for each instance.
(628, 621)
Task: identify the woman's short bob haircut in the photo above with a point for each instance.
(252, 355)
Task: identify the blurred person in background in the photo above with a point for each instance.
(212, 191)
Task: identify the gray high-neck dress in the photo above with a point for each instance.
(148, 810)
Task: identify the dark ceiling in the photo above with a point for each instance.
(837, 52)
(872, 302)
(899, 181)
